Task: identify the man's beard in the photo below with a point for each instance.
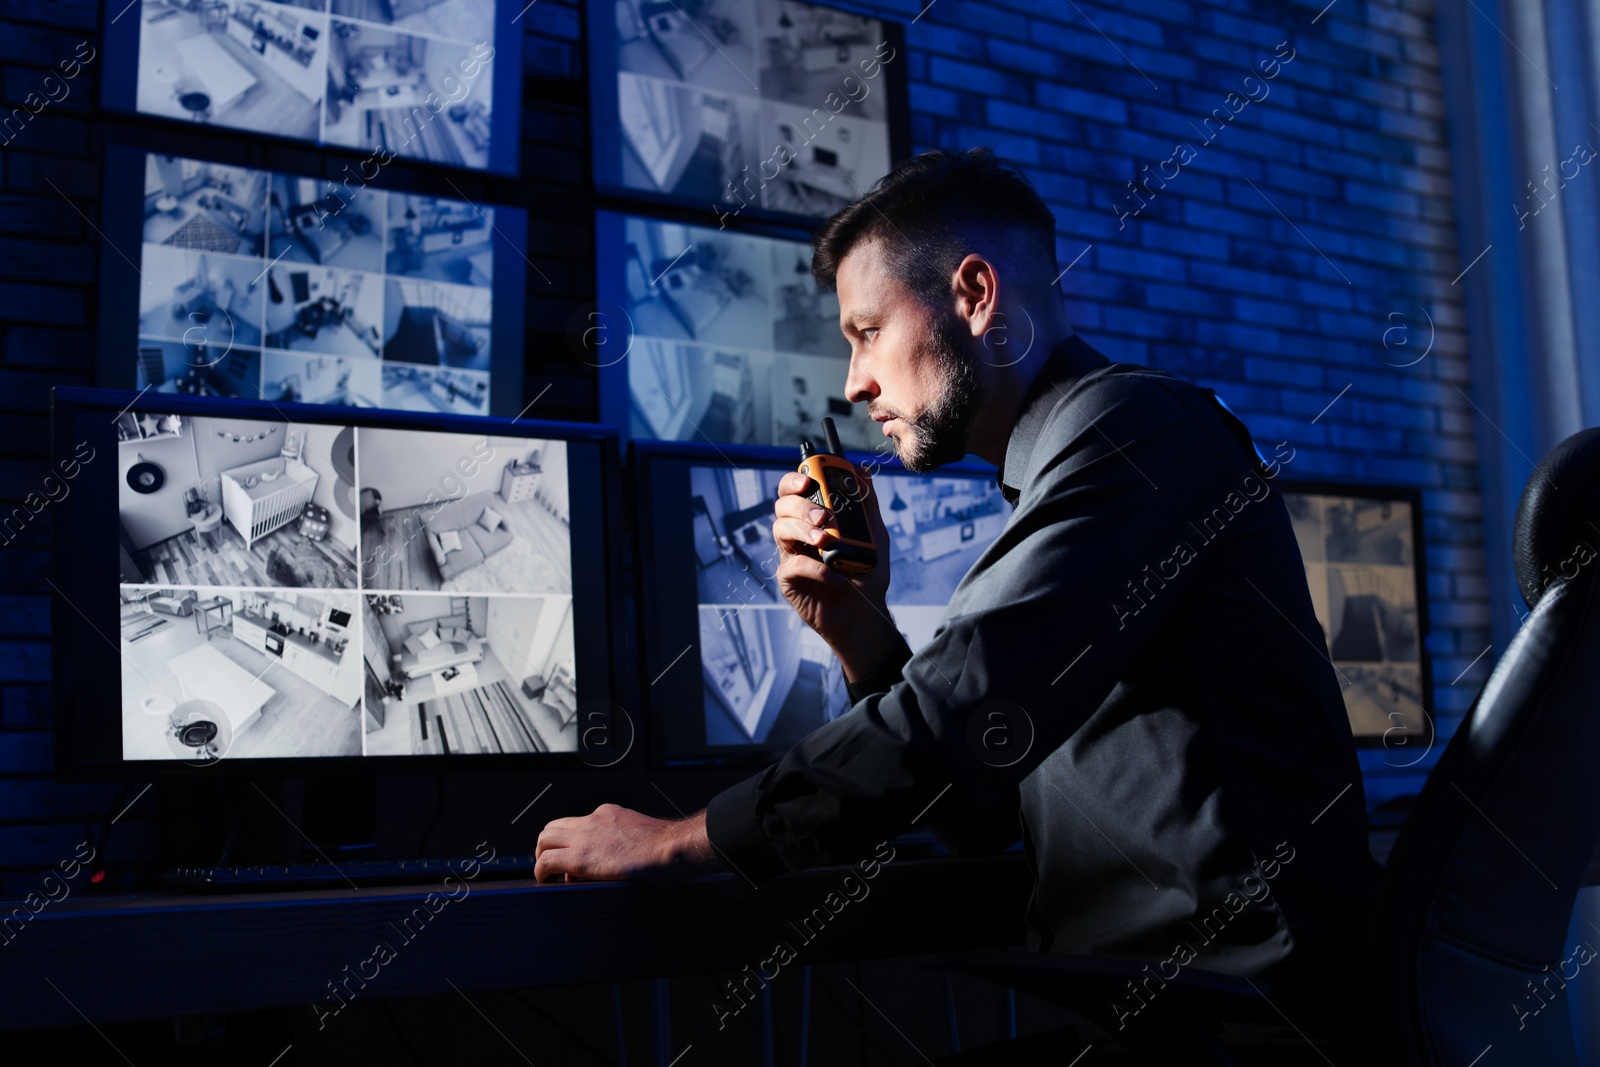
(939, 434)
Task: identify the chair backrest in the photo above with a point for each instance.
(1467, 947)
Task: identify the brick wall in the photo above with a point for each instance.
(1271, 263)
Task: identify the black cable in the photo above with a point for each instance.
(860, 1021)
(528, 1003)
(233, 824)
(105, 824)
(861, 1024)
(227, 843)
(394, 1024)
(438, 810)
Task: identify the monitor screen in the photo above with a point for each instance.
(257, 284)
(737, 674)
(1364, 572)
(292, 587)
(745, 106)
(437, 81)
(728, 337)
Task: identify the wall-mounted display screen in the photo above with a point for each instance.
(728, 337)
(1360, 552)
(415, 79)
(737, 673)
(255, 284)
(734, 105)
(294, 589)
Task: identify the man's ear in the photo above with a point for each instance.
(977, 293)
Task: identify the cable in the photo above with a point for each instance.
(233, 825)
(860, 1021)
(616, 1011)
(438, 810)
(105, 824)
(528, 1003)
(394, 1024)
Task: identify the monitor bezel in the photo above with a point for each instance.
(77, 637)
(605, 130)
(653, 658)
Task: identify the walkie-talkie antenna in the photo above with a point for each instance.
(831, 434)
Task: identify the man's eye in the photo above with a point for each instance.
(869, 333)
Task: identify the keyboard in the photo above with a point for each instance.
(341, 873)
(242, 878)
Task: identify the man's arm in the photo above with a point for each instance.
(1037, 635)
(1041, 631)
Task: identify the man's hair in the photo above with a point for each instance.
(934, 210)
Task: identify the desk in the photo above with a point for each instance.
(280, 950)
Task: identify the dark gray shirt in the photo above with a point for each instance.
(1130, 677)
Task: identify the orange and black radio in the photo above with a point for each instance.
(838, 486)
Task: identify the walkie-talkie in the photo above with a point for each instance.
(838, 487)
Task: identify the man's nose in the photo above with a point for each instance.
(859, 386)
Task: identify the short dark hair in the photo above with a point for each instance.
(928, 210)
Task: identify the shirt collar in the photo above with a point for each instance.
(1071, 360)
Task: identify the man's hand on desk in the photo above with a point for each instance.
(615, 843)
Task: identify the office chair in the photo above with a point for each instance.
(1466, 945)
(1465, 949)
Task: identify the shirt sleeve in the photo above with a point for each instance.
(884, 679)
(1037, 635)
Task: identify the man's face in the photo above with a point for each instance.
(909, 363)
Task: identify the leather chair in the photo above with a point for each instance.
(1467, 942)
(1466, 946)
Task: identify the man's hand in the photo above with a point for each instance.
(616, 844)
(849, 612)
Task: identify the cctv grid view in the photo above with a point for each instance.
(778, 105)
(768, 679)
(409, 78)
(305, 590)
(731, 339)
(258, 284)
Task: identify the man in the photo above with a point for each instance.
(1189, 792)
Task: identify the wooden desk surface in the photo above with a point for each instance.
(148, 956)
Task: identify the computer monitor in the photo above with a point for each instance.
(730, 673)
(1364, 570)
(745, 107)
(233, 281)
(718, 335)
(435, 81)
(263, 588)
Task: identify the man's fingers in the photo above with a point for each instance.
(807, 568)
(795, 536)
(792, 483)
(556, 834)
(553, 864)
